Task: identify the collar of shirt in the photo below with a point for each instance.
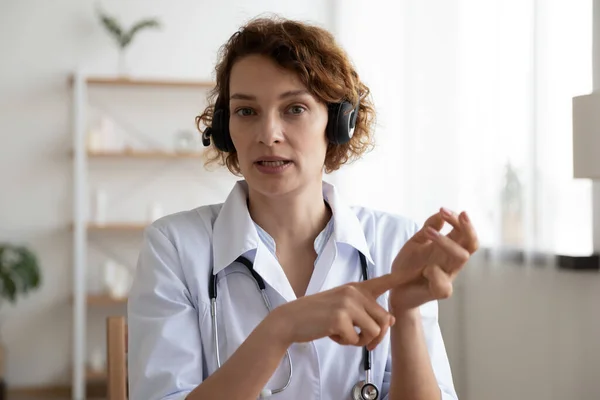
(320, 241)
(235, 233)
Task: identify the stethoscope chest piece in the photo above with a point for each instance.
(365, 391)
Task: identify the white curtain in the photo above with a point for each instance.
(474, 101)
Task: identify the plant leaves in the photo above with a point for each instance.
(112, 26)
(9, 288)
(143, 24)
(19, 274)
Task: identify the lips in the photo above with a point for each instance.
(276, 163)
(272, 165)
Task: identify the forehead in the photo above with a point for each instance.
(259, 75)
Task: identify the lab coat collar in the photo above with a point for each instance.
(347, 228)
(235, 233)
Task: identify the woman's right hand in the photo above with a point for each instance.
(335, 313)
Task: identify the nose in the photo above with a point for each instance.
(270, 129)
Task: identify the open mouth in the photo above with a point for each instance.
(278, 163)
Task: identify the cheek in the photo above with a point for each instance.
(239, 141)
(312, 147)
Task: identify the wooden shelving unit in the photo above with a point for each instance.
(144, 154)
(117, 226)
(95, 376)
(147, 82)
(102, 300)
(81, 156)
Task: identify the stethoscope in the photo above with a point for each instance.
(362, 390)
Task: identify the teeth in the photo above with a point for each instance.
(273, 163)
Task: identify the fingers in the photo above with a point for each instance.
(436, 221)
(384, 320)
(434, 284)
(470, 236)
(440, 284)
(379, 285)
(359, 310)
(451, 218)
(373, 311)
(452, 257)
(343, 328)
(372, 323)
(463, 232)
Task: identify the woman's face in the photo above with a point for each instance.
(277, 127)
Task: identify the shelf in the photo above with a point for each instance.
(118, 226)
(102, 300)
(94, 376)
(143, 154)
(148, 82)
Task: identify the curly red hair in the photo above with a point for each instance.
(322, 66)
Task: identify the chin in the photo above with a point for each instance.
(273, 185)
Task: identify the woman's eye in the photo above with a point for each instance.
(297, 109)
(245, 112)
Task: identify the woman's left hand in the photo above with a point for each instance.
(428, 263)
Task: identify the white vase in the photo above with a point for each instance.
(116, 279)
(100, 200)
(97, 360)
(123, 67)
(155, 211)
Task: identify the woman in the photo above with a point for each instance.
(349, 307)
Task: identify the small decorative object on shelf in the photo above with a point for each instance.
(117, 279)
(100, 200)
(97, 361)
(186, 141)
(103, 136)
(124, 37)
(155, 211)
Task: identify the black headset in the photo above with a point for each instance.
(340, 125)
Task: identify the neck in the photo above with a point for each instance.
(296, 219)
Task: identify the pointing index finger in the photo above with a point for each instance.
(379, 285)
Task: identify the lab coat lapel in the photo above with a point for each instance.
(348, 236)
(347, 228)
(322, 268)
(234, 233)
(267, 266)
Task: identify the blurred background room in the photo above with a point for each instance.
(487, 106)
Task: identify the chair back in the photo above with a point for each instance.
(116, 348)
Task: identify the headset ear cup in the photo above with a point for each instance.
(341, 123)
(220, 131)
(208, 132)
(331, 129)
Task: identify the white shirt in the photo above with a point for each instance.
(171, 348)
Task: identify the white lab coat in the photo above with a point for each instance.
(171, 346)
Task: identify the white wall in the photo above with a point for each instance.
(41, 44)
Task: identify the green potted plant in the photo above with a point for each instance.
(19, 274)
(122, 36)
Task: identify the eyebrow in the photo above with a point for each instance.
(289, 93)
